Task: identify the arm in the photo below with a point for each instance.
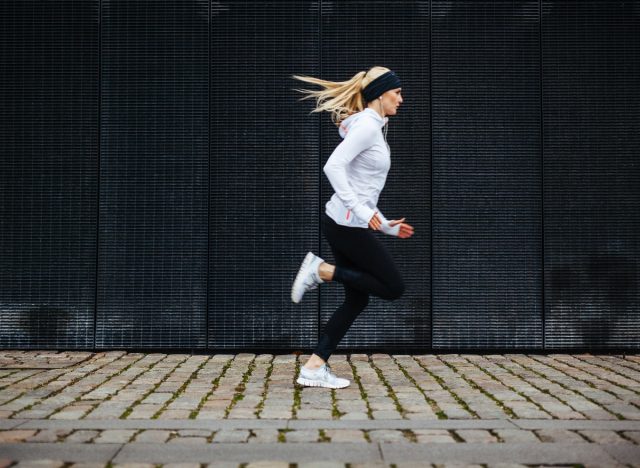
(357, 140)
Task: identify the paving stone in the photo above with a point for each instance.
(386, 414)
(144, 411)
(476, 436)
(428, 436)
(368, 465)
(354, 416)
(633, 435)
(75, 412)
(39, 464)
(604, 437)
(264, 436)
(386, 435)
(559, 435)
(314, 414)
(321, 464)
(345, 435)
(157, 398)
(181, 465)
(49, 435)
(15, 435)
(411, 465)
(114, 436)
(267, 464)
(194, 433)
(81, 436)
(516, 435)
(231, 435)
(133, 465)
(302, 435)
(188, 440)
(152, 436)
(506, 465)
(87, 465)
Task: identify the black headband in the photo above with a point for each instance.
(383, 83)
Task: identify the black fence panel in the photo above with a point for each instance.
(264, 173)
(591, 102)
(48, 173)
(487, 200)
(152, 260)
(358, 35)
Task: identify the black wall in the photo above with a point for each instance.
(160, 181)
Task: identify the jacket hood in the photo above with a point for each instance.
(367, 113)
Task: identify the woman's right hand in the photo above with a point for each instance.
(375, 223)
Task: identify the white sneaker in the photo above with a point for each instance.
(321, 377)
(308, 277)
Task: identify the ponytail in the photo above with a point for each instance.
(340, 98)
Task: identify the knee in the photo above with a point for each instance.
(357, 302)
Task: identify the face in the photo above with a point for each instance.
(391, 101)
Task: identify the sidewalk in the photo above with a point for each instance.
(85, 409)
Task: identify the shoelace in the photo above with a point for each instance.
(327, 370)
(311, 283)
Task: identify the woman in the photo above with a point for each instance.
(357, 170)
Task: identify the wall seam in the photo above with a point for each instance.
(319, 58)
(98, 146)
(430, 178)
(207, 282)
(540, 63)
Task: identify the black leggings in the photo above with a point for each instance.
(364, 266)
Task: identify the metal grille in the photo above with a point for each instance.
(356, 36)
(152, 262)
(48, 173)
(487, 246)
(160, 144)
(264, 173)
(591, 89)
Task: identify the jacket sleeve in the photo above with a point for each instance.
(389, 230)
(359, 138)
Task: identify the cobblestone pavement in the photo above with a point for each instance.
(112, 409)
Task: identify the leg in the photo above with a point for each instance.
(370, 268)
(364, 266)
(340, 321)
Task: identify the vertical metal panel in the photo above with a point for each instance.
(357, 35)
(264, 173)
(153, 174)
(591, 83)
(48, 172)
(487, 247)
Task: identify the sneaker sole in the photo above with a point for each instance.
(300, 276)
(317, 383)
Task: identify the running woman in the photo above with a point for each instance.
(357, 170)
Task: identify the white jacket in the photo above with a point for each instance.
(357, 170)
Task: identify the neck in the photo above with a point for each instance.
(378, 109)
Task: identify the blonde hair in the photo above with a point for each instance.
(340, 98)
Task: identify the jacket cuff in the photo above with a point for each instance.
(390, 230)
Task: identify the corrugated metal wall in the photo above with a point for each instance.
(160, 181)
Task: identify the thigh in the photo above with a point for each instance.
(360, 249)
(357, 300)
